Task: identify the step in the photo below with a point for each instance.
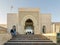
(30, 41)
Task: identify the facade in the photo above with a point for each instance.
(32, 21)
(29, 17)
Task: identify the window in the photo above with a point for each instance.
(44, 29)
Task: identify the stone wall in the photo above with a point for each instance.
(51, 36)
(12, 19)
(46, 21)
(4, 38)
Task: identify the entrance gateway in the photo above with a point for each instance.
(29, 21)
(29, 26)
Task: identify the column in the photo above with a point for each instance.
(54, 28)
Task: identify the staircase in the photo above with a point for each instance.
(29, 40)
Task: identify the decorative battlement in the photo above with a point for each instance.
(29, 9)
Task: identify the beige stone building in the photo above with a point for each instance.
(29, 18)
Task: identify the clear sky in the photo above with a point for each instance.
(46, 6)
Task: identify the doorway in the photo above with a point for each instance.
(29, 27)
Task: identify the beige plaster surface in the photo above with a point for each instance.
(4, 38)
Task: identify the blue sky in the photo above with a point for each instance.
(46, 6)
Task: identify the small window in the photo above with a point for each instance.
(44, 29)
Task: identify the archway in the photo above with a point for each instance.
(44, 29)
(29, 27)
(34, 24)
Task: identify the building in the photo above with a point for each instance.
(30, 18)
(31, 21)
(56, 27)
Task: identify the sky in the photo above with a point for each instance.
(46, 6)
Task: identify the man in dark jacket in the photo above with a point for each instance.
(13, 31)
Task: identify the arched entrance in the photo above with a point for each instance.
(23, 21)
(29, 27)
(44, 29)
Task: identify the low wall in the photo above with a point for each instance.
(4, 38)
(51, 36)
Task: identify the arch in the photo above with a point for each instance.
(28, 22)
(28, 17)
(31, 18)
(44, 29)
(29, 28)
